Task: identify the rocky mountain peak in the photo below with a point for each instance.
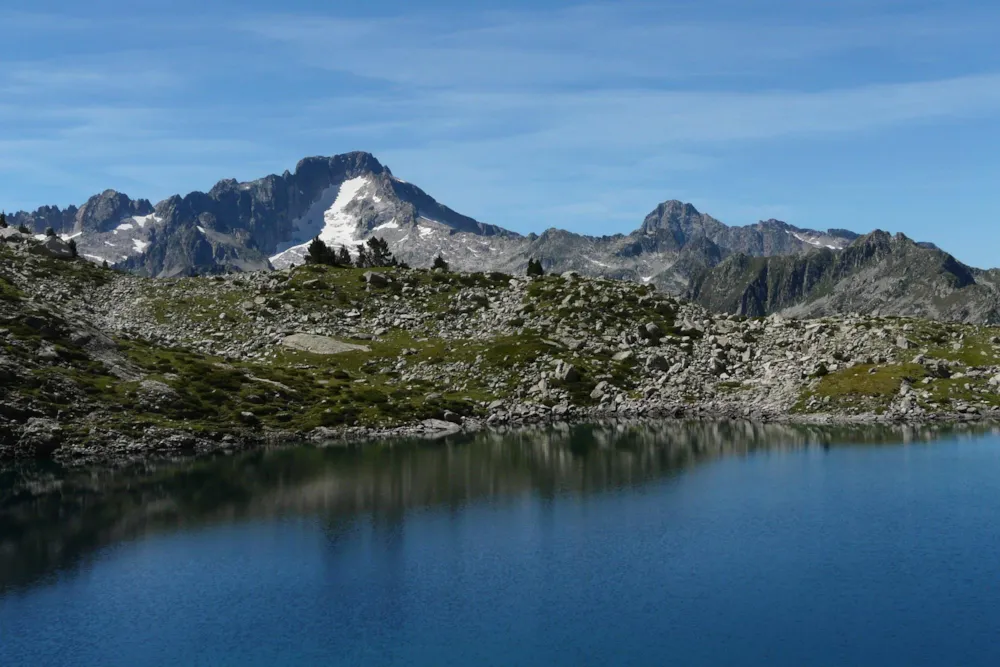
(109, 209)
(345, 165)
(672, 215)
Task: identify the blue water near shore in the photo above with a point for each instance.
(552, 554)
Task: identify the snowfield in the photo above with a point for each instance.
(328, 220)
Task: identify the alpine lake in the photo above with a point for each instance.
(689, 543)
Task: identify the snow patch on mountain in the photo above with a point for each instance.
(392, 224)
(329, 219)
(819, 242)
(141, 220)
(140, 246)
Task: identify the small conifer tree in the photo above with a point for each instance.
(344, 256)
(439, 263)
(320, 253)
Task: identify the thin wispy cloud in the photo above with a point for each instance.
(590, 43)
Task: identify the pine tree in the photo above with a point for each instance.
(344, 256)
(439, 263)
(104, 264)
(49, 231)
(3, 220)
(535, 268)
(378, 251)
(72, 248)
(320, 253)
(363, 261)
(23, 228)
(374, 253)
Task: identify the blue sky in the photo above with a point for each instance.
(857, 114)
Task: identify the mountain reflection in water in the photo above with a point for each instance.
(52, 519)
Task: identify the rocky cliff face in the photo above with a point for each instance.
(876, 274)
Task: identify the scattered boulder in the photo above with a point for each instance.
(375, 279)
(436, 428)
(566, 372)
(657, 362)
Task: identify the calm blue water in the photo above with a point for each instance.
(693, 545)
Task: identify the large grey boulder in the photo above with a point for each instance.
(40, 437)
(375, 279)
(566, 372)
(436, 428)
(320, 344)
(53, 246)
(12, 234)
(657, 362)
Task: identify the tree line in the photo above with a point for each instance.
(375, 253)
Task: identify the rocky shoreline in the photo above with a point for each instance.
(112, 450)
(98, 365)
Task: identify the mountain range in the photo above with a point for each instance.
(768, 267)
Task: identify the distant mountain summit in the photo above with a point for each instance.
(345, 199)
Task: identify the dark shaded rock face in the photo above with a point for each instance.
(877, 274)
(672, 224)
